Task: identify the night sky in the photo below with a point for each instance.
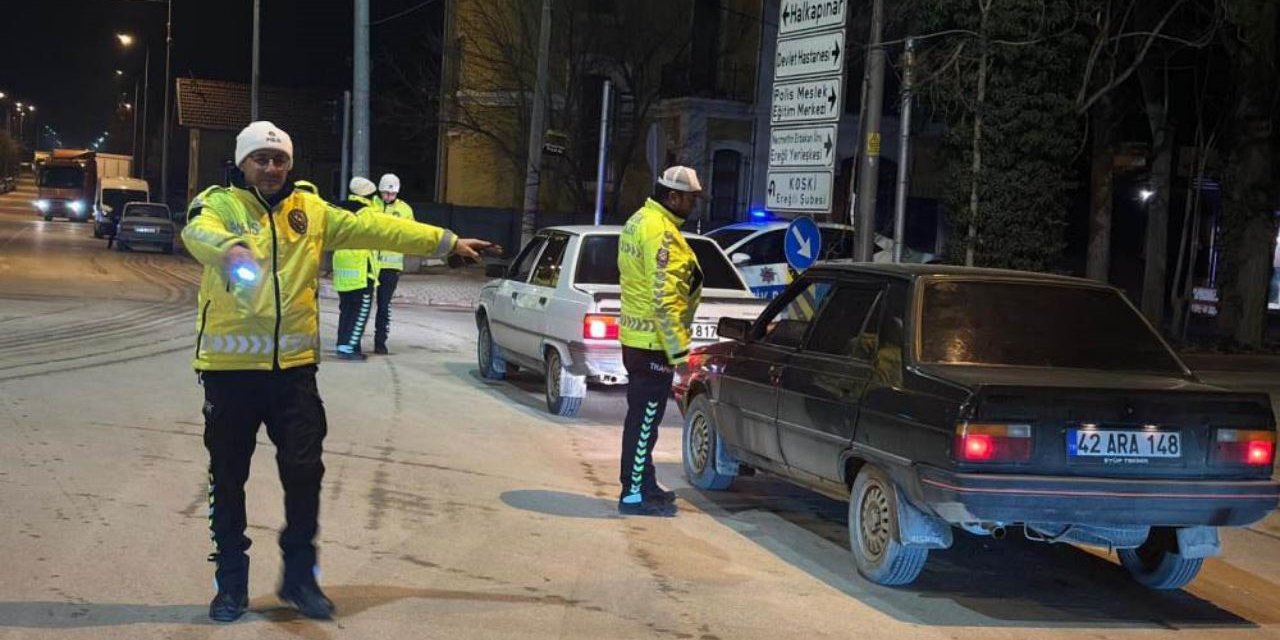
(61, 55)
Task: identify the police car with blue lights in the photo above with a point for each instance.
(757, 249)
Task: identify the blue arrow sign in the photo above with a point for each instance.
(803, 243)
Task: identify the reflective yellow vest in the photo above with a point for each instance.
(399, 209)
(274, 323)
(661, 283)
(354, 268)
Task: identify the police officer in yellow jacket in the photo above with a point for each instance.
(661, 287)
(355, 277)
(260, 241)
(390, 263)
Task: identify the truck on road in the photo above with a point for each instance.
(67, 181)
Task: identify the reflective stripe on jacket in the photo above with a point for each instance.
(661, 283)
(399, 209)
(274, 322)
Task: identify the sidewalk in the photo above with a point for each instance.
(433, 287)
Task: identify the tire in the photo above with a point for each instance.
(120, 246)
(1156, 564)
(97, 235)
(700, 445)
(492, 367)
(873, 531)
(556, 379)
(48, 218)
(167, 249)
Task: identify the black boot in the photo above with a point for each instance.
(647, 507)
(305, 595)
(232, 598)
(658, 495)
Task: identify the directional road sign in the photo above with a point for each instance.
(817, 54)
(817, 100)
(799, 191)
(803, 244)
(813, 146)
(798, 16)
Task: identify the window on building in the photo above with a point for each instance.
(726, 176)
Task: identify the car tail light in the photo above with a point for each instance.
(600, 327)
(1242, 447)
(992, 442)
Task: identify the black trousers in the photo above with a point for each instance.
(387, 281)
(648, 388)
(235, 403)
(353, 316)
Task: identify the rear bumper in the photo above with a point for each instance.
(134, 238)
(968, 497)
(601, 363)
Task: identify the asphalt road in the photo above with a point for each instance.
(457, 508)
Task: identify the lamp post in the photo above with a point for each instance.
(139, 161)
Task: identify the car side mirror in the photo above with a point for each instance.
(495, 270)
(740, 259)
(733, 328)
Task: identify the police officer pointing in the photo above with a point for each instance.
(661, 287)
(260, 241)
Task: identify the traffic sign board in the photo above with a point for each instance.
(806, 15)
(813, 146)
(799, 191)
(803, 243)
(816, 100)
(821, 53)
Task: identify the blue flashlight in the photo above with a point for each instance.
(246, 273)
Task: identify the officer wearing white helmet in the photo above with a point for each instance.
(390, 263)
(260, 240)
(355, 277)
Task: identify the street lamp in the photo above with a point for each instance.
(125, 39)
(139, 161)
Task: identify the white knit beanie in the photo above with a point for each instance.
(362, 186)
(262, 135)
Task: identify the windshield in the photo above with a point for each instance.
(598, 263)
(1037, 325)
(147, 211)
(62, 178)
(726, 237)
(116, 199)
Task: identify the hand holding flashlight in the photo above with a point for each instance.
(242, 269)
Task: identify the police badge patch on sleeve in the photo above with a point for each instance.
(298, 221)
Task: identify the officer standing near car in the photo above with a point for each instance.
(260, 240)
(355, 277)
(390, 263)
(661, 287)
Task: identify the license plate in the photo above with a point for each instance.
(1102, 443)
(704, 331)
(147, 230)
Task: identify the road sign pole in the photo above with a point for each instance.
(904, 153)
(603, 159)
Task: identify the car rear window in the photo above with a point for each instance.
(147, 211)
(728, 237)
(1037, 325)
(598, 263)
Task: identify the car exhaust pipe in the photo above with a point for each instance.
(997, 532)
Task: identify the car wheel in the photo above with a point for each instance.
(873, 531)
(167, 249)
(558, 383)
(120, 246)
(491, 366)
(48, 218)
(1156, 564)
(701, 446)
(97, 235)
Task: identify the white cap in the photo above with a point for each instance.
(262, 135)
(362, 186)
(389, 183)
(680, 179)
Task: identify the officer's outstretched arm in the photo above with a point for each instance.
(344, 230)
(670, 285)
(206, 237)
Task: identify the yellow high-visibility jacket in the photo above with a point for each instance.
(661, 283)
(398, 209)
(353, 269)
(274, 322)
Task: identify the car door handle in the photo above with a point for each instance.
(515, 295)
(542, 301)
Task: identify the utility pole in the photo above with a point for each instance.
(133, 141)
(869, 154)
(345, 171)
(360, 106)
(164, 137)
(533, 165)
(904, 153)
(257, 45)
(606, 105)
(146, 103)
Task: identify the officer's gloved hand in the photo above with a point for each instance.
(241, 268)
